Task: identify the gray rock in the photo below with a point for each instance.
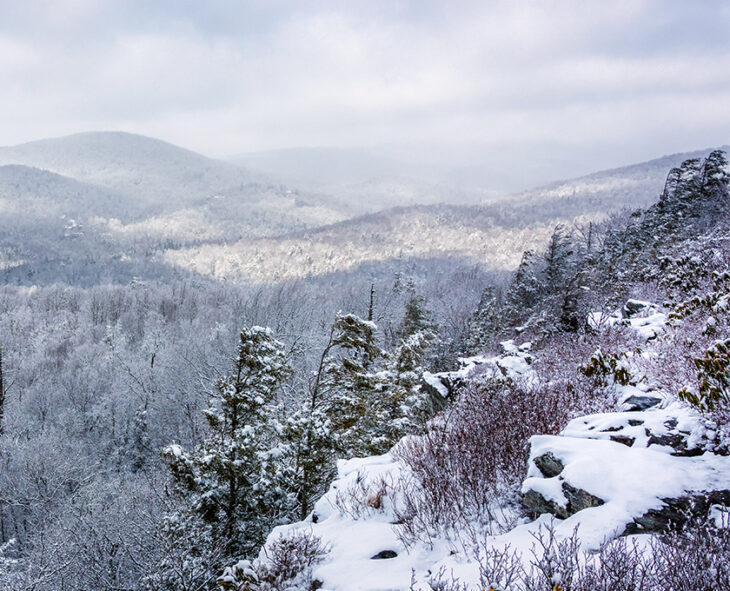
(578, 499)
(549, 465)
(535, 504)
(677, 442)
(637, 403)
(675, 513)
(385, 554)
(633, 307)
(623, 440)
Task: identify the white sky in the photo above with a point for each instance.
(596, 83)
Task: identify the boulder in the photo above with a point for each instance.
(536, 504)
(638, 403)
(548, 465)
(675, 513)
(384, 555)
(634, 307)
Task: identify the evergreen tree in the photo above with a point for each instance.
(352, 380)
(523, 293)
(484, 324)
(310, 453)
(402, 407)
(557, 259)
(416, 318)
(372, 397)
(233, 483)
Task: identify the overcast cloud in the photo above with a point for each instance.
(596, 83)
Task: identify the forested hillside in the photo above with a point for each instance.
(99, 208)
(168, 396)
(605, 357)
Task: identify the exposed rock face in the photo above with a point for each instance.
(513, 362)
(675, 513)
(654, 428)
(549, 465)
(637, 403)
(579, 499)
(536, 504)
(634, 307)
(655, 459)
(385, 554)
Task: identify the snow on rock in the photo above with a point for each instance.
(673, 430)
(642, 317)
(435, 382)
(606, 474)
(630, 462)
(513, 362)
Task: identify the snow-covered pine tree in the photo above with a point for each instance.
(352, 382)
(523, 293)
(233, 483)
(557, 258)
(416, 318)
(309, 452)
(401, 407)
(484, 324)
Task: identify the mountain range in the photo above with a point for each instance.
(95, 198)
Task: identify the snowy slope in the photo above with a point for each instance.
(629, 481)
(150, 169)
(158, 178)
(604, 475)
(634, 186)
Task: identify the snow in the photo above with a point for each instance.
(649, 327)
(647, 321)
(629, 479)
(621, 458)
(433, 381)
(514, 362)
(354, 539)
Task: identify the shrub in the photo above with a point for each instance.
(464, 473)
(289, 560)
(286, 565)
(697, 558)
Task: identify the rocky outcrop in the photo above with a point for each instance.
(637, 403)
(548, 465)
(640, 472)
(675, 513)
(577, 500)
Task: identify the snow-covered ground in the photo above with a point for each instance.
(604, 473)
(356, 518)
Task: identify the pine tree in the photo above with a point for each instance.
(309, 448)
(557, 258)
(370, 398)
(523, 292)
(416, 318)
(233, 482)
(401, 407)
(352, 380)
(484, 324)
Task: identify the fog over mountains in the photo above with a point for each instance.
(141, 203)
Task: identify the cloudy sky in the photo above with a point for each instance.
(571, 85)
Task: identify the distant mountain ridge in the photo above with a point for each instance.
(150, 169)
(129, 196)
(635, 185)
